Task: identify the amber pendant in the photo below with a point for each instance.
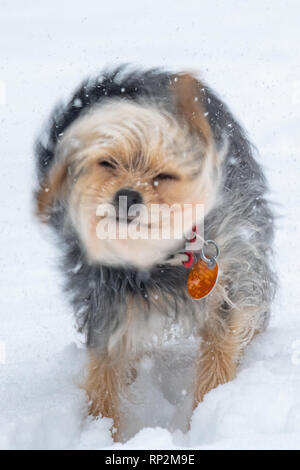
(202, 279)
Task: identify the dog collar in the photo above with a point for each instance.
(204, 270)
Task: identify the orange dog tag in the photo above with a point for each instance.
(202, 279)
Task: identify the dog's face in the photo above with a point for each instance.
(125, 154)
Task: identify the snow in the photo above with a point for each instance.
(248, 51)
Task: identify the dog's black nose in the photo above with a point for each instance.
(125, 198)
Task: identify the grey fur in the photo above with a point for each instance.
(241, 224)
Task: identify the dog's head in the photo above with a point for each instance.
(129, 153)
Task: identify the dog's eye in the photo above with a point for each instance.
(107, 164)
(166, 177)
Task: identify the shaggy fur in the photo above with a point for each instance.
(117, 305)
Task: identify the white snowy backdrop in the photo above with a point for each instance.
(249, 52)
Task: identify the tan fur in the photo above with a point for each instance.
(109, 375)
(103, 386)
(51, 190)
(222, 344)
(138, 141)
(143, 142)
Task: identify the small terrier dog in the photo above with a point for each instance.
(155, 137)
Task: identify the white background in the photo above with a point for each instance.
(249, 52)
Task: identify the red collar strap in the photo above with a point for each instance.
(189, 258)
(210, 260)
(204, 270)
(190, 254)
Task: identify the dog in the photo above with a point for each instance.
(156, 137)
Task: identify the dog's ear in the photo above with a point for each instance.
(51, 190)
(189, 99)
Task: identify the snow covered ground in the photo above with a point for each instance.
(249, 52)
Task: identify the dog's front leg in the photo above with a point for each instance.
(222, 344)
(103, 385)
